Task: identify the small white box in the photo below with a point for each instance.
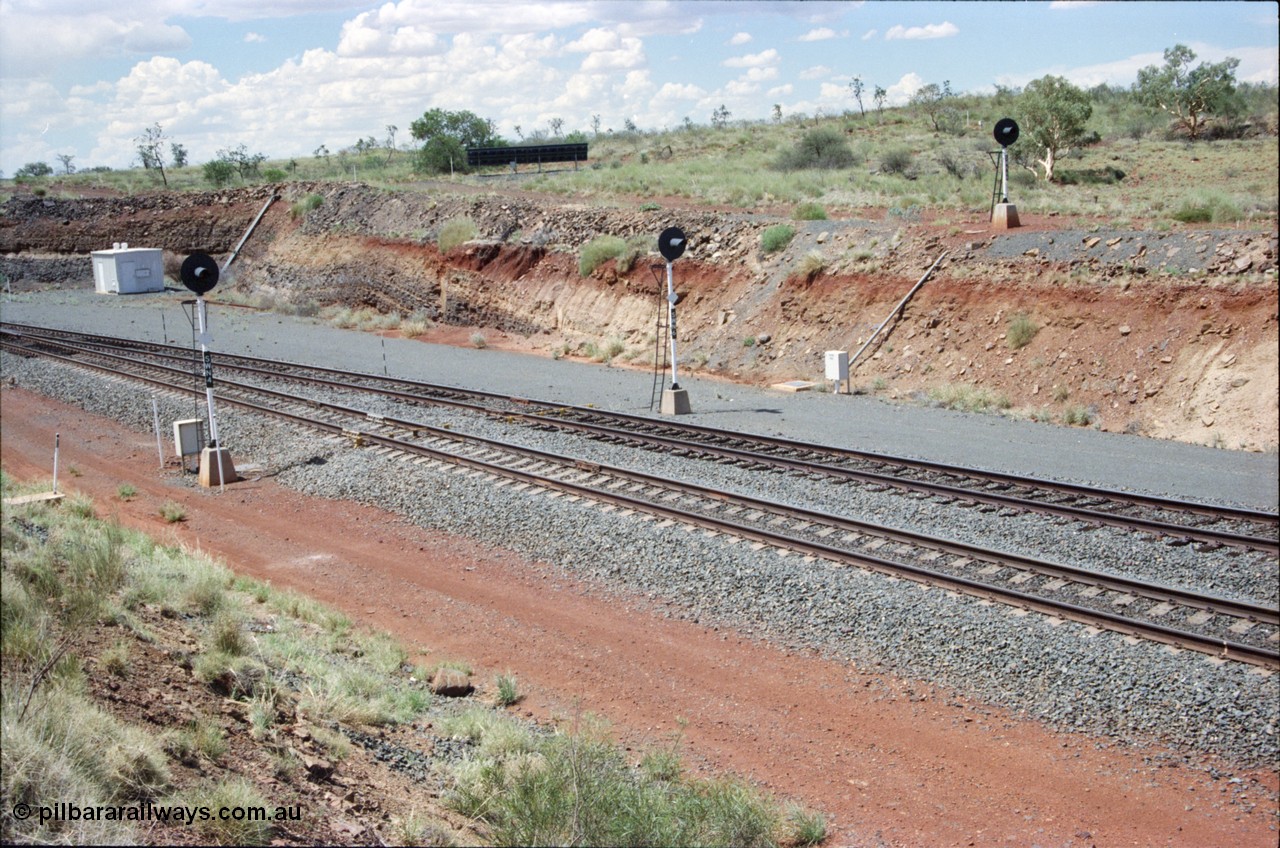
(188, 436)
(838, 365)
(128, 270)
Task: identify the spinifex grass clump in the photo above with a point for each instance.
(777, 237)
(454, 232)
(578, 788)
(1021, 331)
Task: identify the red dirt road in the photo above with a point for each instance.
(889, 762)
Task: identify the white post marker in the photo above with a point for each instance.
(202, 326)
(155, 415)
(671, 325)
(671, 244)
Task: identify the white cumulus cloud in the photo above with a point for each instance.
(946, 29)
(900, 92)
(753, 60)
(819, 34)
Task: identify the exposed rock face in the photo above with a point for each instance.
(207, 221)
(1151, 333)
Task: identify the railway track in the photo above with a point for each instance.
(1178, 521)
(1224, 627)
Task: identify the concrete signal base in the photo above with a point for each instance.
(1005, 217)
(675, 402)
(216, 467)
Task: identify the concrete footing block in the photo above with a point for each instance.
(675, 402)
(216, 467)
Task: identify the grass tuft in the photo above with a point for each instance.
(454, 232)
(173, 512)
(577, 788)
(776, 238)
(809, 211)
(599, 251)
(968, 398)
(508, 692)
(1021, 331)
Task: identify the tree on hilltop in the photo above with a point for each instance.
(445, 137)
(151, 150)
(935, 101)
(1189, 94)
(1054, 114)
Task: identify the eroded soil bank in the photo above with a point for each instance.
(1170, 334)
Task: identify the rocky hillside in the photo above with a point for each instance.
(1171, 334)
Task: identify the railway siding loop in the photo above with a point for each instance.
(1179, 522)
(782, 526)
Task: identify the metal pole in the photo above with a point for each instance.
(208, 369)
(155, 414)
(252, 227)
(57, 437)
(896, 310)
(671, 324)
(1004, 174)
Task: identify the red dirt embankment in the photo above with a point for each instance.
(1170, 334)
(889, 762)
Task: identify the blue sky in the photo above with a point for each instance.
(283, 77)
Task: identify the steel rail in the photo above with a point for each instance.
(1110, 621)
(1091, 516)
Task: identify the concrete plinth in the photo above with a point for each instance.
(1005, 217)
(216, 467)
(675, 402)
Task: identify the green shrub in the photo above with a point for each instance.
(968, 398)
(115, 660)
(232, 793)
(809, 211)
(577, 788)
(806, 828)
(598, 251)
(823, 148)
(776, 238)
(200, 737)
(952, 164)
(305, 205)
(66, 747)
(1021, 331)
(896, 160)
(636, 248)
(173, 512)
(508, 693)
(1207, 206)
(1077, 415)
(454, 232)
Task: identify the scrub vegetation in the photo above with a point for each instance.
(84, 599)
(1150, 151)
